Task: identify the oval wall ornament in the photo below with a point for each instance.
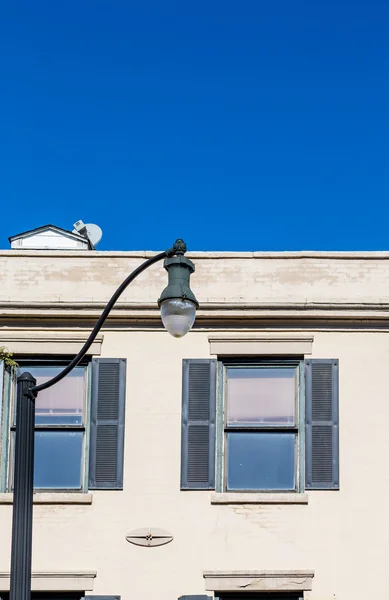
(149, 536)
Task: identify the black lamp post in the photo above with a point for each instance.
(178, 309)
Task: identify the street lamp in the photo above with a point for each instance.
(178, 309)
(177, 302)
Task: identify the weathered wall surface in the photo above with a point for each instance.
(241, 277)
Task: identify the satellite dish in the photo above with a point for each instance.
(93, 232)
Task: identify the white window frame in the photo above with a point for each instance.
(9, 399)
(250, 361)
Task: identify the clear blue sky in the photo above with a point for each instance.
(244, 125)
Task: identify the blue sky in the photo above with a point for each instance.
(250, 125)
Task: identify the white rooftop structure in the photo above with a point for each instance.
(49, 237)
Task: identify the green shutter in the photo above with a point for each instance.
(322, 424)
(198, 424)
(106, 448)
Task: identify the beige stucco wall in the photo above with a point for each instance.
(342, 535)
(81, 276)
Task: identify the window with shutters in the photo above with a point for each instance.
(262, 437)
(79, 426)
(260, 425)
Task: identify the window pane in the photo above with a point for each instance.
(58, 459)
(63, 403)
(261, 395)
(260, 461)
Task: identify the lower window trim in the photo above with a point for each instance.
(259, 498)
(55, 497)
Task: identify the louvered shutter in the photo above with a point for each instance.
(322, 424)
(106, 447)
(198, 424)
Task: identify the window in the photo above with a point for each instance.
(79, 426)
(261, 412)
(260, 425)
(60, 425)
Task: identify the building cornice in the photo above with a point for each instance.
(208, 310)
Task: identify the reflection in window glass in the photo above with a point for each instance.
(57, 463)
(63, 403)
(260, 461)
(261, 395)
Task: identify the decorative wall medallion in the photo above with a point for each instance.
(149, 536)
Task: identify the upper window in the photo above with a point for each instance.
(59, 428)
(260, 431)
(261, 408)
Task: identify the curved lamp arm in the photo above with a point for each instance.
(167, 254)
(21, 548)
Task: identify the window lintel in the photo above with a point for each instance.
(270, 581)
(261, 345)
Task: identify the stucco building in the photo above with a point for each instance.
(251, 447)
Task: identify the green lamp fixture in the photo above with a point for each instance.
(178, 303)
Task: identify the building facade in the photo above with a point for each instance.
(237, 462)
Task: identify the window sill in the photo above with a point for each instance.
(52, 498)
(259, 498)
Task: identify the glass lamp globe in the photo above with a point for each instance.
(178, 316)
